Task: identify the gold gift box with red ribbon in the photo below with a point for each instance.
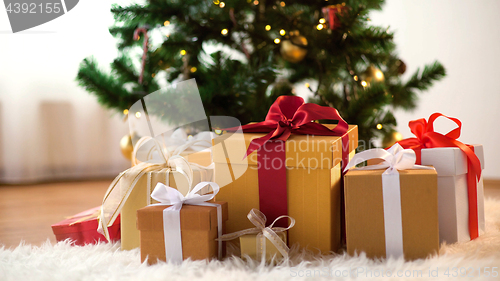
(305, 178)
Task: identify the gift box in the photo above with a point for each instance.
(203, 158)
(198, 226)
(460, 185)
(248, 247)
(82, 228)
(312, 174)
(141, 197)
(268, 243)
(375, 225)
(451, 166)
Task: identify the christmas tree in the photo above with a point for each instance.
(262, 49)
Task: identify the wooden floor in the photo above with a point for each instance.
(27, 212)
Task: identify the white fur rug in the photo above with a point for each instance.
(478, 259)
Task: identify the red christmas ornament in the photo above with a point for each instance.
(332, 12)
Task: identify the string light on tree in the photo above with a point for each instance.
(379, 126)
(193, 69)
(282, 32)
(282, 4)
(268, 27)
(183, 52)
(137, 115)
(216, 2)
(224, 31)
(277, 41)
(319, 26)
(166, 23)
(322, 20)
(125, 111)
(222, 4)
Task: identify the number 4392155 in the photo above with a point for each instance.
(34, 8)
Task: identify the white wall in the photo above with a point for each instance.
(464, 35)
(39, 67)
(51, 128)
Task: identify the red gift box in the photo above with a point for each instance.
(82, 228)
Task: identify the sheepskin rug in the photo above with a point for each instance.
(478, 259)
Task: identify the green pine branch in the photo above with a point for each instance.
(109, 92)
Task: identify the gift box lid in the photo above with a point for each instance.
(193, 217)
(300, 149)
(88, 222)
(450, 161)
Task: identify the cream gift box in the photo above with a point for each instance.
(451, 166)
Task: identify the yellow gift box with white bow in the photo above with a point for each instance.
(132, 189)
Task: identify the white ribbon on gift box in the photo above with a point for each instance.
(167, 195)
(181, 140)
(395, 158)
(156, 159)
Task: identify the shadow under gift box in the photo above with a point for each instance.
(365, 228)
(198, 232)
(141, 197)
(313, 177)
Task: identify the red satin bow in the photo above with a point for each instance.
(289, 114)
(426, 137)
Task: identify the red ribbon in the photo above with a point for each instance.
(426, 137)
(288, 115)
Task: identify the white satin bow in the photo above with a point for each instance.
(181, 141)
(167, 195)
(395, 158)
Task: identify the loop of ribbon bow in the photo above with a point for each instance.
(395, 158)
(258, 219)
(167, 195)
(289, 114)
(179, 141)
(115, 198)
(426, 137)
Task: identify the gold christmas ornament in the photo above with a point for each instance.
(372, 74)
(126, 146)
(294, 49)
(391, 139)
